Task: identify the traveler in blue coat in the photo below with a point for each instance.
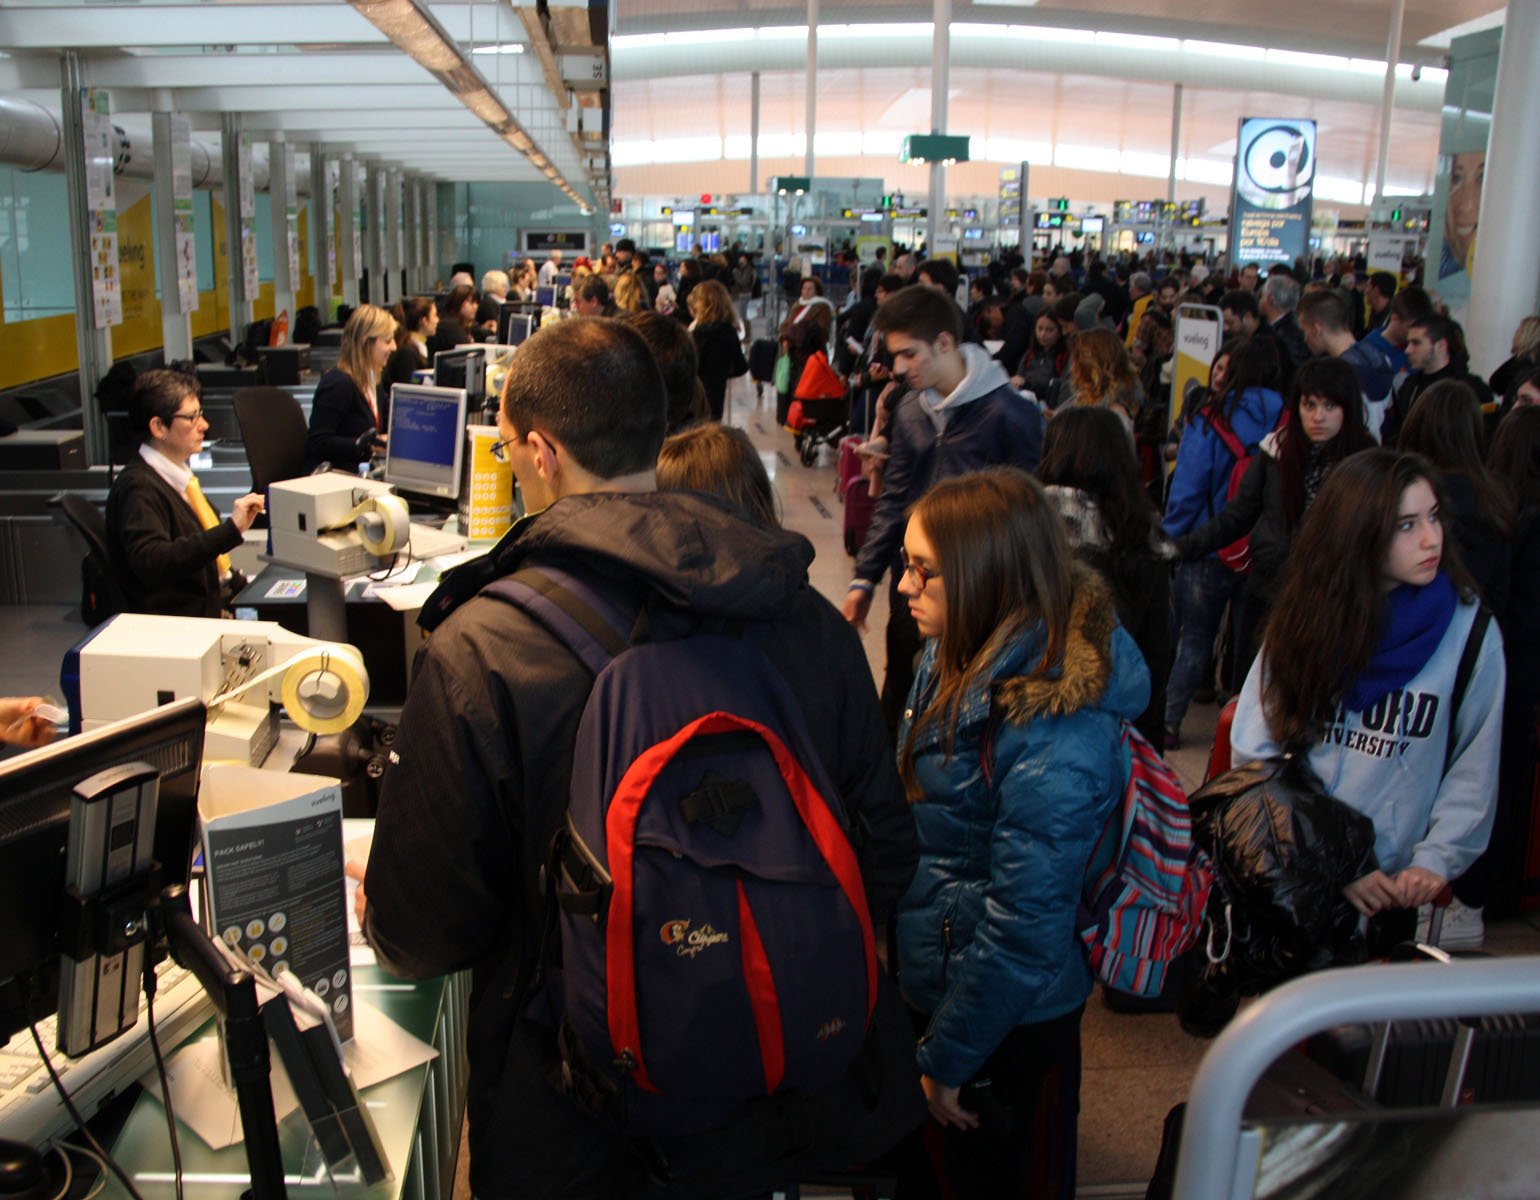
(1250, 404)
(1011, 753)
(958, 413)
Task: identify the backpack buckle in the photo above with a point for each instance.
(719, 802)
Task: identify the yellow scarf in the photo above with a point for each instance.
(207, 517)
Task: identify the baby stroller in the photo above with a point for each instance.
(820, 414)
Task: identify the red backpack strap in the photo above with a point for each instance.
(1226, 435)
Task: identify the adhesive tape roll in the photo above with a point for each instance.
(387, 527)
(325, 688)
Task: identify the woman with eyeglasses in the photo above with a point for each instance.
(1011, 751)
(169, 549)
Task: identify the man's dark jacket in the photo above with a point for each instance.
(480, 786)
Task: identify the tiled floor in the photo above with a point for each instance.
(1136, 1067)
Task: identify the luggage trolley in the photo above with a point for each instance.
(1228, 1153)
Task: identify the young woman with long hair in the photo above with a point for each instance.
(1325, 424)
(1249, 406)
(630, 295)
(457, 320)
(1101, 374)
(1093, 479)
(416, 322)
(1012, 754)
(1046, 359)
(1358, 669)
(718, 344)
(346, 404)
(1445, 427)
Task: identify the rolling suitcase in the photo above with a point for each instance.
(762, 355)
(849, 467)
(858, 513)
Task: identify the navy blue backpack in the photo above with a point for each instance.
(716, 947)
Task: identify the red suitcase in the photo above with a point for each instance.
(858, 513)
(849, 463)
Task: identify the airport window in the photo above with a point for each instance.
(34, 223)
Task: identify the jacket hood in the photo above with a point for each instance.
(694, 551)
(983, 376)
(1098, 670)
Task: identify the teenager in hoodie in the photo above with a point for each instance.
(959, 413)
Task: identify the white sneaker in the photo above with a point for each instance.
(1463, 928)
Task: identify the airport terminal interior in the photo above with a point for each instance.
(239, 187)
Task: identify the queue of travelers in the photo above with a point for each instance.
(1330, 530)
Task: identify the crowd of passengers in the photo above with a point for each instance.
(1314, 532)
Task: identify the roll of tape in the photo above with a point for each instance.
(325, 688)
(386, 526)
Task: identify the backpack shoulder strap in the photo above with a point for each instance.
(589, 623)
(1463, 673)
(1226, 435)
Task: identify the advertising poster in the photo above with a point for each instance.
(1199, 331)
(1270, 202)
(1462, 160)
(101, 199)
(182, 201)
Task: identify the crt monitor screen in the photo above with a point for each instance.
(545, 296)
(463, 367)
(35, 791)
(514, 325)
(427, 439)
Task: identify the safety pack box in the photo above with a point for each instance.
(486, 493)
(273, 860)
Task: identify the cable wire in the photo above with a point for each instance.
(100, 1185)
(80, 1122)
(150, 982)
(69, 1175)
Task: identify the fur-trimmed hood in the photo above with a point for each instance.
(1081, 681)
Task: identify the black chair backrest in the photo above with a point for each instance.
(273, 427)
(101, 595)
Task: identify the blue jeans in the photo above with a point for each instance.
(1199, 595)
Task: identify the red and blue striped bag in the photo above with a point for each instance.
(1147, 882)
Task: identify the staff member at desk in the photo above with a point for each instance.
(169, 548)
(344, 416)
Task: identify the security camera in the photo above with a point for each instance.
(1416, 72)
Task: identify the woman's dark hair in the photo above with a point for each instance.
(1089, 449)
(1253, 364)
(1511, 397)
(592, 287)
(455, 301)
(1332, 380)
(159, 393)
(721, 460)
(1002, 551)
(1445, 427)
(1515, 455)
(414, 311)
(870, 278)
(1330, 609)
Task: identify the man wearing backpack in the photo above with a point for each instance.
(494, 742)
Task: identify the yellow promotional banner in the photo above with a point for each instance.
(486, 492)
(1199, 331)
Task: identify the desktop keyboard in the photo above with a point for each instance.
(428, 542)
(30, 1109)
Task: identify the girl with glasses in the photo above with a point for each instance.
(1011, 751)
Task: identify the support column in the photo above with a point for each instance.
(323, 230)
(93, 347)
(1506, 280)
(940, 76)
(431, 202)
(172, 148)
(812, 85)
(394, 259)
(235, 274)
(348, 237)
(1176, 147)
(755, 187)
(374, 233)
(1387, 105)
(280, 174)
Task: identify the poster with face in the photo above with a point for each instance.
(1467, 120)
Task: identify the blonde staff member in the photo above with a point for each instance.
(169, 548)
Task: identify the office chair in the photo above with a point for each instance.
(273, 427)
(101, 597)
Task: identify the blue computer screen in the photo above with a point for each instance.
(545, 296)
(427, 431)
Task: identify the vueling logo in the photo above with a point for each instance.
(687, 942)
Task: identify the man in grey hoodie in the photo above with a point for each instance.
(959, 414)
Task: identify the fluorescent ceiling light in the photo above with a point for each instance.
(500, 48)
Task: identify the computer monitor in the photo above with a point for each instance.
(562, 279)
(426, 443)
(545, 297)
(514, 325)
(463, 367)
(35, 793)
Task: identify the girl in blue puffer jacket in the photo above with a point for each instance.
(1012, 754)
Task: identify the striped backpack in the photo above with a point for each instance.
(1147, 882)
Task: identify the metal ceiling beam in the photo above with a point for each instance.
(111, 27)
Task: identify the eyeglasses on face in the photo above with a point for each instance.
(500, 451)
(921, 574)
(195, 416)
